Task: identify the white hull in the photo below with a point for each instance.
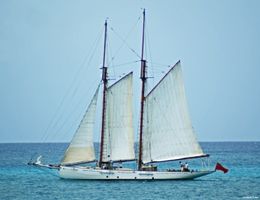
(126, 174)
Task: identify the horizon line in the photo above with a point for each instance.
(60, 142)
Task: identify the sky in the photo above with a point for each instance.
(51, 52)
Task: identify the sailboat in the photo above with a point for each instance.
(165, 132)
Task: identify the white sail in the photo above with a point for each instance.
(81, 148)
(167, 130)
(119, 134)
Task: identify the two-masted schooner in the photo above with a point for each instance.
(165, 132)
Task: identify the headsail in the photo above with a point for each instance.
(167, 130)
(119, 135)
(81, 148)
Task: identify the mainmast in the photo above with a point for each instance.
(143, 79)
(104, 79)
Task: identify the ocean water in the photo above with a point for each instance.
(20, 181)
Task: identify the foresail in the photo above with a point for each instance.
(167, 130)
(81, 148)
(119, 135)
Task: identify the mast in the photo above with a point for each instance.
(104, 79)
(143, 79)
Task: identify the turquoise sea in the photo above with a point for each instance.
(20, 181)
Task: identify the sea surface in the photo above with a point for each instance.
(20, 181)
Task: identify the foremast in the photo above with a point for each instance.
(143, 79)
(104, 80)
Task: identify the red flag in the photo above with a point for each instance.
(220, 167)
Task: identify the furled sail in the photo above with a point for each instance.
(167, 131)
(119, 134)
(81, 148)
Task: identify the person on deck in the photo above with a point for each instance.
(182, 166)
(186, 167)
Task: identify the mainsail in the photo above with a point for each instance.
(81, 148)
(167, 130)
(119, 135)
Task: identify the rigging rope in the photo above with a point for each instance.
(127, 63)
(124, 41)
(94, 83)
(56, 119)
(150, 54)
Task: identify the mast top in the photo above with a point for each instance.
(142, 53)
(104, 68)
